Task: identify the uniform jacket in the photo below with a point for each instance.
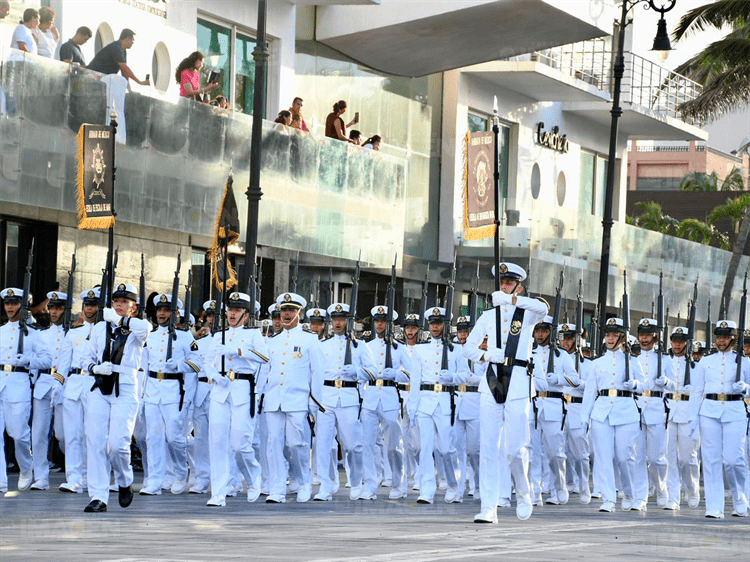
(608, 372)
(652, 407)
(372, 393)
(77, 385)
(333, 350)
(673, 367)
(184, 352)
(429, 358)
(52, 339)
(251, 352)
(550, 409)
(17, 385)
(132, 354)
(715, 374)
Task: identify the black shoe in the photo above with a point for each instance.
(95, 507)
(126, 496)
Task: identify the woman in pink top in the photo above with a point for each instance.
(188, 76)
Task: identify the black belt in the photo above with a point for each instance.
(381, 383)
(576, 399)
(202, 379)
(437, 387)
(677, 397)
(250, 377)
(75, 371)
(341, 384)
(613, 392)
(652, 394)
(244, 377)
(515, 363)
(465, 388)
(165, 376)
(405, 386)
(559, 395)
(13, 369)
(725, 397)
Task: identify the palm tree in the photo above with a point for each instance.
(653, 218)
(700, 181)
(734, 210)
(723, 68)
(698, 231)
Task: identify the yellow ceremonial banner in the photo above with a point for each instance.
(226, 233)
(96, 187)
(478, 186)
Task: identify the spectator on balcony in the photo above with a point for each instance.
(298, 121)
(188, 76)
(4, 8)
(355, 137)
(70, 51)
(113, 58)
(46, 34)
(335, 127)
(284, 118)
(23, 39)
(373, 142)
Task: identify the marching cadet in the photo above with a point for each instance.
(467, 416)
(340, 398)
(409, 432)
(716, 401)
(200, 477)
(431, 405)
(381, 406)
(164, 397)
(609, 405)
(682, 447)
(294, 378)
(15, 385)
(651, 446)
(549, 405)
(75, 394)
(233, 370)
(274, 311)
(113, 403)
(47, 388)
(505, 405)
(577, 440)
(317, 320)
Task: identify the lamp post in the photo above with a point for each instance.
(254, 193)
(618, 72)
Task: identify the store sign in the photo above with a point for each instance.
(155, 7)
(552, 139)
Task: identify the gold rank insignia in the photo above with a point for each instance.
(10, 293)
(54, 297)
(381, 310)
(503, 268)
(645, 323)
(723, 325)
(565, 328)
(287, 298)
(611, 322)
(339, 308)
(515, 327)
(91, 295)
(234, 297)
(193, 346)
(679, 331)
(121, 287)
(316, 312)
(163, 298)
(436, 312)
(212, 306)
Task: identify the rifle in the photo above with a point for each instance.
(626, 323)
(447, 343)
(23, 329)
(553, 344)
(709, 330)
(741, 330)
(295, 274)
(372, 322)
(389, 328)
(665, 335)
(473, 304)
(68, 314)
(579, 323)
(252, 319)
(189, 300)
(660, 329)
(423, 305)
(693, 306)
(173, 308)
(595, 343)
(351, 340)
(142, 291)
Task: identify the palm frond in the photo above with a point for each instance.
(733, 209)
(716, 15)
(726, 92)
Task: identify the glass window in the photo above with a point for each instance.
(214, 41)
(586, 194)
(244, 74)
(478, 123)
(536, 181)
(601, 185)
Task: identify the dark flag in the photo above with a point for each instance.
(479, 190)
(96, 189)
(227, 232)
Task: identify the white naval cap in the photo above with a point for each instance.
(381, 312)
(240, 300)
(646, 326)
(463, 322)
(90, 296)
(566, 328)
(679, 333)
(291, 300)
(510, 270)
(210, 306)
(274, 310)
(125, 291)
(12, 294)
(164, 299)
(56, 298)
(725, 328)
(614, 325)
(338, 310)
(316, 314)
(435, 314)
(411, 319)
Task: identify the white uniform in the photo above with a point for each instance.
(409, 431)
(578, 442)
(614, 424)
(198, 447)
(232, 416)
(15, 394)
(165, 408)
(513, 415)
(296, 372)
(110, 419)
(466, 425)
(723, 426)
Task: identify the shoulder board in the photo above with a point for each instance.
(327, 338)
(37, 327)
(423, 342)
(308, 330)
(251, 328)
(194, 346)
(273, 335)
(75, 327)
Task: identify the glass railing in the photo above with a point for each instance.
(319, 194)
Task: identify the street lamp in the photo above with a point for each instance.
(618, 72)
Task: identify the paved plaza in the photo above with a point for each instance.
(50, 525)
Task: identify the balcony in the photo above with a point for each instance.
(320, 195)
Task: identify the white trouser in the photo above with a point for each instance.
(614, 443)
(74, 413)
(651, 460)
(511, 422)
(263, 450)
(40, 426)
(342, 421)
(230, 435)
(140, 438)
(723, 444)
(110, 421)
(536, 461)
(393, 448)
(682, 462)
(198, 447)
(410, 437)
(15, 420)
(554, 447)
(467, 446)
(287, 429)
(578, 445)
(164, 429)
(438, 423)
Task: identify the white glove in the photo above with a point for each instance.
(221, 381)
(660, 381)
(445, 377)
(499, 298)
(111, 316)
(630, 384)
(360, 375)
(55, 393)
(740, 387)
(687, 389)
(390, 374)
(103, 369)
(694, 428)
(21, 360)
(222, 349)
(540, 385)
(349, 372)
(494, 355)
(552, 378)
(173, 366)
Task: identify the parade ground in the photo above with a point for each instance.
(50, 525)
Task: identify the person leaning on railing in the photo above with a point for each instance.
(188, 77)
(22, 39)
(335, 127)
(46, 34)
